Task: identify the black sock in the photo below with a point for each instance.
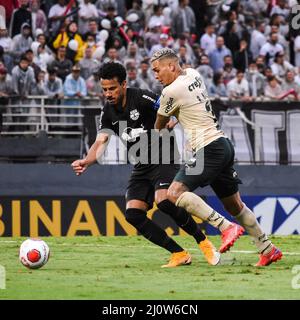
(183, 219)
(151, 231)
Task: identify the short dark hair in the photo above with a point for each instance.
(23, 58)
(52, 70)
(112, 70)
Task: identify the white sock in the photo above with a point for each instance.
(247, 219)
(199, 208)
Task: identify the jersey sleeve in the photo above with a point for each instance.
(104, 121)
(149, 102)
(168, 104)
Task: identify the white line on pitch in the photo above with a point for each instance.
(136, 247)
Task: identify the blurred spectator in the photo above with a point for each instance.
(258, 39)
(38, 17)
(41, 57)
(280, 66)
(152, 36)
(183, 56)
(136, 7)
(30, 57)
(72, 41)
(146, 74)
(5, 91)
(157, 17)
(229, 72)
(9, 6)
(86, 12)
(233, 17)
(74, 85)
(93, 29)
(22, 41)
(163, 43)
(197, 52)
(118, 45)
(297, 51)
(112, 56)
(255, 7)
(205, 70)
(269, 73)
(53, 85)
(216, 57)
(260, 63)
(5, 41)
(94, 88)
(270, 48)
(242, 57)
(56, 16)
(54, 92)
(142, 48)
(256, 80)
(289, 84)
(276, 24)
(273, 89)
(90, 41)
(41, 38)
(217, 88)
(208, 39)
(19, 17)
(238, 88)
(6, 87)
(132, 54)
(231, 39)
(6, 59)
(23, 78)
(88, 64)
(133, 81)
(297, 77)
(281, 9)
(74, 88)
(183, 41)
(103, 5)
(183, 19)
(40, 88)
(61, 64)
(281, 39)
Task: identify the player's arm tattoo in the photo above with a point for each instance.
(161, 122)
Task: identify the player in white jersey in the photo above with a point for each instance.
(185, 97)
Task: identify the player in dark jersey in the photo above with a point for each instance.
(130, 113)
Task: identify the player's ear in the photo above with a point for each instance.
(172, 67)
(123, 84)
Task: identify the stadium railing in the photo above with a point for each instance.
(33, 114)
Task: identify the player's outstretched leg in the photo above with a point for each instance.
(268, 252)
(189, 225)
(152, 232)
(198, 207)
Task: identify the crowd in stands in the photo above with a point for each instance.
(243, 48)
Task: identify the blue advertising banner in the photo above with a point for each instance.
(276, 214)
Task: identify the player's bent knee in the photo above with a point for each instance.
(166, 206)
(161, 195)
(135, 217)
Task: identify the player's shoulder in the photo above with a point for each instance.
(142, 95)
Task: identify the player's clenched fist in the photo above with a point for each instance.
(79, 166)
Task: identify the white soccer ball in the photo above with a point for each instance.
(34, 253)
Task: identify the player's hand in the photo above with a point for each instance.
(79, 166)
(171, 124)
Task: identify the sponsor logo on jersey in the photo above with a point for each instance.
(196, 84)
(134, 114)
(148, 98)
(169, 105)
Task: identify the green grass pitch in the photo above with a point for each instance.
(129, 268)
